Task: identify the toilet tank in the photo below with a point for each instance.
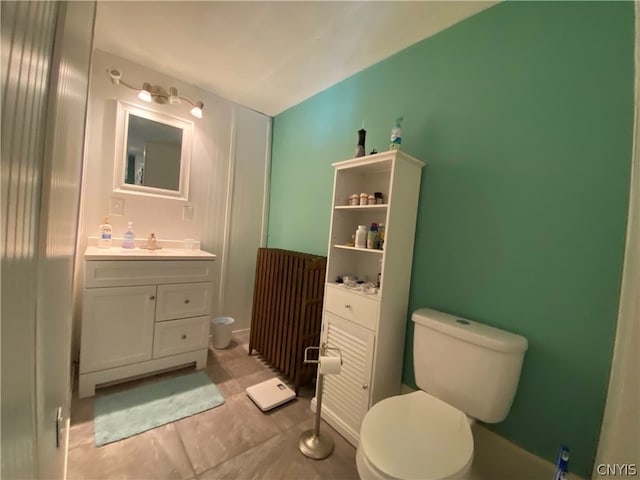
(470, 365)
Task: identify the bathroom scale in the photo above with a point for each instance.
(270, 394)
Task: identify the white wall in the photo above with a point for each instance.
(216, 138)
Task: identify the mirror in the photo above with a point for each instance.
(153, 152)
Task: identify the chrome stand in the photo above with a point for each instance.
(311, 442)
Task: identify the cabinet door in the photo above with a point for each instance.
(117, 326)
(346, 394)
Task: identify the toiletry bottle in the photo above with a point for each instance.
(381, 236)
(372, 236)
(362, 133)
(396, 135)
(129, 237)
(361, 236)
(104, 234)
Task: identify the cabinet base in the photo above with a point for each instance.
(87, 381)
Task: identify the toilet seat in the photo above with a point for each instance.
(416, 436)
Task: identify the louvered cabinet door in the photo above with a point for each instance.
(346, 395)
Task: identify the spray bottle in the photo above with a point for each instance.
(562, 464)
(396, 135)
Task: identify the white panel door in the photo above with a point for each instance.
(346, 394)
(117, 326)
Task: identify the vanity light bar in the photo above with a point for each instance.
(149, 93)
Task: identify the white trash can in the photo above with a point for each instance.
(221, 331)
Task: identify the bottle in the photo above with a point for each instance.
(381, 236)
(104, 234)
(129, 237)
(372, 236)
(361, 236)
(362, 133)
(396, 135)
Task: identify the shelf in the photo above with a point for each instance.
(368, 250)
(356, 291)
(382, 206)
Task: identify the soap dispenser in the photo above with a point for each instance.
(129, 237)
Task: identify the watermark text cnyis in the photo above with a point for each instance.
(617, 469)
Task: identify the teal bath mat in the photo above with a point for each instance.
(123, 414)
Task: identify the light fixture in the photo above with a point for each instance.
(145, 93)
(196, 111)
(150, 93)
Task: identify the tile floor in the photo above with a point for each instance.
(235, 440)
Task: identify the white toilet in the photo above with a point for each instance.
(465, 371)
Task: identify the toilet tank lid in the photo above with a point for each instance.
(470, 331)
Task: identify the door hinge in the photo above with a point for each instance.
(59, 426)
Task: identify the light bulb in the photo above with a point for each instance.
(197, 110)
(173, 96)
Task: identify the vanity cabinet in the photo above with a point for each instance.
(368, 325)
(142, 316)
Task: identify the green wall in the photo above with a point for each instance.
(524, 115)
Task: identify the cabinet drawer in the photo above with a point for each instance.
(183, 300)
(116, 273)
(351, 306)
(179, 336)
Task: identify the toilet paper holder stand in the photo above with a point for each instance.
(311, 442)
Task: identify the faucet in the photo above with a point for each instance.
(152, 243)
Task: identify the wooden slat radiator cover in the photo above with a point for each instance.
(287, 310)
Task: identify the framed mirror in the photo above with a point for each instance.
(153, 152)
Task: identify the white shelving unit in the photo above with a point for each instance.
(369, 328)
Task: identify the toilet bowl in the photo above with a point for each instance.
(414, 436)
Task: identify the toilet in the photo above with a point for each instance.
(465, 371)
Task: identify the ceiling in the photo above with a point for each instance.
(266, 55)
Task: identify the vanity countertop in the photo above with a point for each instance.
(119, 253)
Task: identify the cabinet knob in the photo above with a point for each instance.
(346, 305)
(183, 337)
(365, 386)
(152, 297)
(186, 301)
